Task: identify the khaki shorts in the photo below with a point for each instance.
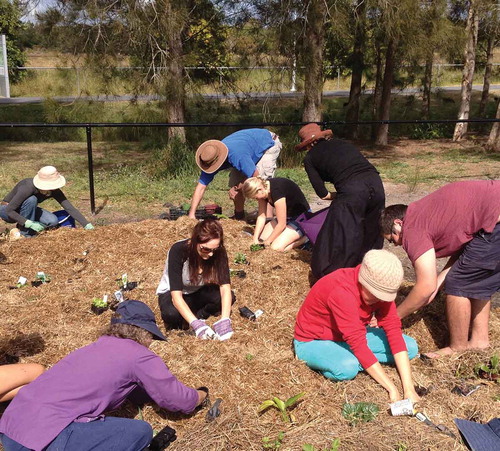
(266, 165)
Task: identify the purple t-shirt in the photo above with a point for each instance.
(449, 217)
(88, 382)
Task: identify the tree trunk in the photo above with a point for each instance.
(494, 139)
(377, 92)
(385, 101)
(427, 82)
(313, 60)
(468, 72)
(352, 113)
(175, 90)
(487, 76)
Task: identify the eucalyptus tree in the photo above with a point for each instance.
(156, 35)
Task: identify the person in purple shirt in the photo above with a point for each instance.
(63, 409)
(248, 153)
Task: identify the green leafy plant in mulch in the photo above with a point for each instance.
(489, 370)
(99, 305)
(334, 446)
(256, 247)
(359, 412)
(269, 443)
(282, 406)
(241, 258)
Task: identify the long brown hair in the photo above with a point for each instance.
(213, 269)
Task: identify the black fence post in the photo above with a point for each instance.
(88, 128)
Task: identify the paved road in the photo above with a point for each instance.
(253, 95)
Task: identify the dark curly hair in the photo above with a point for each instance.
(389, 215)
(138, 334)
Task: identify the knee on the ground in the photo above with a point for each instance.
(411, 346)
(344, 371)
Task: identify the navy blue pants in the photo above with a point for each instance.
(109, 434)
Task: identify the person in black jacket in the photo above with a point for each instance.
(21, 204)
(351, 227)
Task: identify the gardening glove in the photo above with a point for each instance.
(33, 225)
(89, 226)
(201, 329)
(223, 329)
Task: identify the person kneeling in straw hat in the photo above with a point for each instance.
(332, 334)
(21, 204)
(63, 409)
(248, 153)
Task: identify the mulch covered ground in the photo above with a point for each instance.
(43, 324)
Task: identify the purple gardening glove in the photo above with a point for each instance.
(201, 329)
(223, 329)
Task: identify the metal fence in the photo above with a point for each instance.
(89, 126)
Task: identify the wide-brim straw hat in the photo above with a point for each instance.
(48, 178)
(211, 155)
(310, 133)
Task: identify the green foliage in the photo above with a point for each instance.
(269, 443)
(282, 406)
(99, 303)
(12, 26)
(489, 370)
(359, 412)
(256, 247)
(174, 160)
(240, 258)
(401, 447)
(334, 446)
(430, 131)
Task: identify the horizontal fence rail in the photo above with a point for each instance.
(90, 125)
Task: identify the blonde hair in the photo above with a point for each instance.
(252, 185)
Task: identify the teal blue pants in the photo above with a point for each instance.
(335, 360)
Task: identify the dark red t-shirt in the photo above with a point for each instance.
(449, 217)
(333, 310)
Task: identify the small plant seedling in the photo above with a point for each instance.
(42, 277)
(256, 247)
(186, 206)
(99, 305)
(221, 216)
(237, 273)
(402, 447)
(333, 447)
(489, 370)
(269, 443)
(249, 357)
(282, 406)
(21, 282)
(359, 412)
(241, 258)
(496, 398)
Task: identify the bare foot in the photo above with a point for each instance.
(478, 345)
(439, 353)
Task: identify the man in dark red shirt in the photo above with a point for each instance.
(460, 221)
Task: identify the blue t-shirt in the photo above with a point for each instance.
(246, 148)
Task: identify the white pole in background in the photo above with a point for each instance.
(4, 70)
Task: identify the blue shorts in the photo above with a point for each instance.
(293, 224)
(476, 273)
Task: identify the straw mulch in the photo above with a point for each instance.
(44, 324)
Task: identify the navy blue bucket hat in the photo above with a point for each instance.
(480, 437)
(136, 313)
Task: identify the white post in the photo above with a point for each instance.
(294, 73)
(4, 69)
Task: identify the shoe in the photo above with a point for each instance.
(238, 216)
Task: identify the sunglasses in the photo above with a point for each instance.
(207, 249)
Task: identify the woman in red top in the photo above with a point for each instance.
(331, 333)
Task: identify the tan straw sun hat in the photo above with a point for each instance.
(48, 179)
(310, 133)
(381, 274)
(211, 155)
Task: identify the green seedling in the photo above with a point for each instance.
(249, 357)
(402, 447)
(496, 398)
(42, 277)
(489, 370)
(21, 282)
(100, 303)
(221, 216)
(282, 406)
(359, 412)
(240, 258)
(333, 447)
(186, 207)
(269, 443)
(256, 247)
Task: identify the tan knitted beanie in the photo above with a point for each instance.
(381, 274)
